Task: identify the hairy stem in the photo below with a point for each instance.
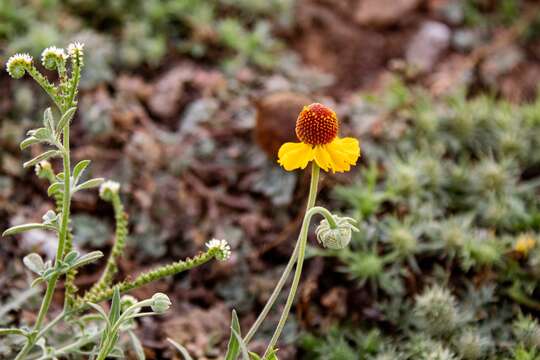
(51, 284)
(286, 272)
(301, 254)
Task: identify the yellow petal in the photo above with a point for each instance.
(344, 152)
(322, 157)
(295, 155)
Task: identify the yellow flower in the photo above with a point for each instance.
(524, 244)
(317, 128)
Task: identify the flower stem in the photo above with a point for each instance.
(301, 254)
(312, 197)
(51, 284)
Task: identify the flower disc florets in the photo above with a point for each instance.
(336, 237)
(317, 125)
(222, 247)
(52, 56)
(107, 189)
(17, 65)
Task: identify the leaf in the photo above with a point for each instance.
(42, 134)
(48, 120)
(233, 348)
(243, 347)
(114, 314)
(28, 141)
(79, 169)
(65, 119)
(71, 256)
(46, 155)
(87, 259)
(92, 183)
(137, 346)
(34, 262)
(12, 332)
(54, 188)
(26, 227)
(181, 349)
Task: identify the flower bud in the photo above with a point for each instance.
(52, 56)
(221, 247)
(44, 170)
(338, 237)
(76, 53)
(108, 189)
(18, 64)
(160, 303)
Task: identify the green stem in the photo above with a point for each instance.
(279, 286)
(51, 284)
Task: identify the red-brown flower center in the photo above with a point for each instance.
(317, 125)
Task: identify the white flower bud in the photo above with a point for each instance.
(127, 301)
(17, 65)
(160, 303)
(222, 247)
(338, 237)
(51, 56)
(108, 189)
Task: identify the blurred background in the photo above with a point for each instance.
(185, 102)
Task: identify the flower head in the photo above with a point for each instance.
(76, 51)
(222, 248)
(17, 65)
(317, 128)
(52, 56)
(337, 237)
(524, 244)
(107, 189)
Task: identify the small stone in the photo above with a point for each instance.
(427, 45)
(276, 119)
(381, 13)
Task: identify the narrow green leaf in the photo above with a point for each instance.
(54, 188)
(243, 347)
(46, 155)
(114, 314)
(26, 227)
(79, 169)
(65, 119)
(87, 259)
(28, 141)
(12, 332)
(181, 349)
(92, 183)
(71, 256)
(48, 120)
(233, 348)
(137, 346)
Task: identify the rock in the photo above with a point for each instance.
(500, 62)
(276, 119)
(168, 90)
(427, 45)
(381, 13)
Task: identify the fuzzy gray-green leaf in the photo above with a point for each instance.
(46, 155)
(65, 119)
